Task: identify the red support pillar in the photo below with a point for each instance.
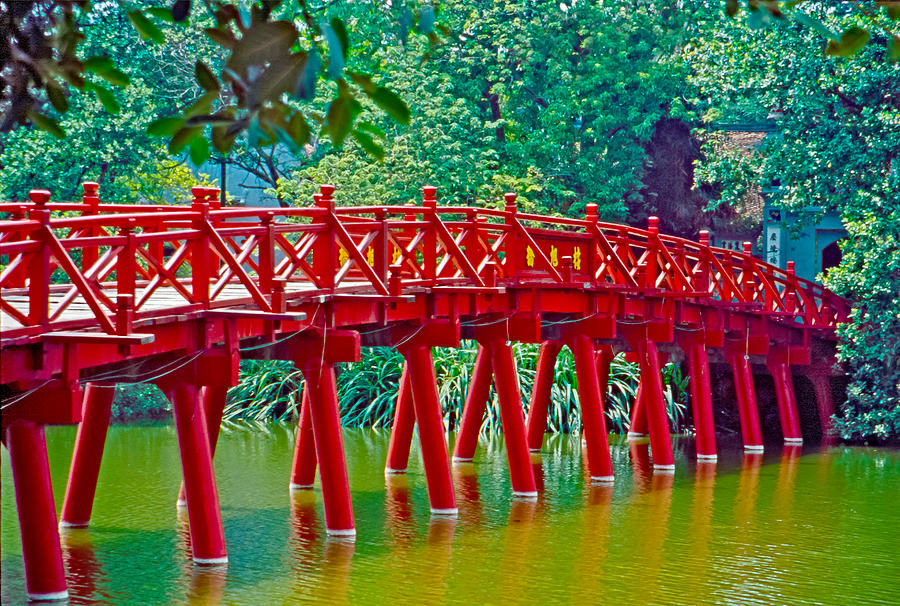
(787, 403)
(303, 468)
(590, 398)
(701, 398)
(207, 534)
(45, 577)
(431, 429)
(329, 442)
(402, 429)
(507, 385)
(746, 396)
(637, 428)
(544, 375)
(213, 399)
(652, 395)
(473, 409)
(86, 456)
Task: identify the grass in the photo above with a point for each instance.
(367, 391)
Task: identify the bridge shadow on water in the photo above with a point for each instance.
(767, 528)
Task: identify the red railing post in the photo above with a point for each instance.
(703, 269)
(593, 260)
(650, 267)
(474, 407)
(39, 270)
(544, 376)
(324, 250)
(125, 263)
(748, 280)
(201, 273)
(267, 254)
(382, 259)
(513, 245)
(18, 276)
(429, 204)
(91, 201)
(45, 577)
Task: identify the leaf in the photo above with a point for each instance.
(335, 52)
(199, 150)
(363, 80)
(202, 105)
(298, 129)
(893, 49)
(165, 127)
(306, 84)
(115, 76)
(340, 31)
(390, 103)
(217, 119)
(732, 7)
(161, 12)
(815, 24)
(221, 140)
(46, 123)
(106, 98)
(366, 142)
(205, 77)
(180, 10)
(146, 28)
(261, 44)
(223, 38)
(98, 64)
(426, 19)
(57, 96)
(279, 78)
(851, 41)
(371, 128)
(181, 138)
(339, 119)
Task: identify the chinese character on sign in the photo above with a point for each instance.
(554, 256)
(370, 256)
(343, 255)
(576, 258)
(529, 257)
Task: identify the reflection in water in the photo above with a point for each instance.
(398, 509)
(207, 585)
(781, 530)
(468, 495)
(84, 574)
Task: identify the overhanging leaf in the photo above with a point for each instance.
(106, 98)
(335, 52)
(340, 31)
(115, 76)
(98, 64)
(279, 78)
(339, 119)
(851, 41)
(261, 44)
(306, 84)
(368, 144)
(165, 127)
(181, 138)
(57, 96)
(46, 123)
(199, 148)
(390, 103)
(893, 49)
(205, 77)
(146, 28)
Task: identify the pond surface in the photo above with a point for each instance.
(817, 526)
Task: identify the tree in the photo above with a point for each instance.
(838, 149)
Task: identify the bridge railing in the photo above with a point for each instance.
(123, 261)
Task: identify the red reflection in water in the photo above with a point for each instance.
(336, 566)
(468, 492)
(398, 509)
(83, 570)
(640, 462)
(207, 585)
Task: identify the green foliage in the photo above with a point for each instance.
(367, 390)
(836, 149)
(139, 401)
(164, 181)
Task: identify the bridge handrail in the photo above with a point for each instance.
(200, 249)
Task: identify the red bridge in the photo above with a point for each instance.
(95, 294)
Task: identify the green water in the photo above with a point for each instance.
(813, 527)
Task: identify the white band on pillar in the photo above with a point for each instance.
(530, 496)
(63, 524)
(294, 487)
(793, 440)
(754, 448)
(341, 532)
(49, 597)
(602, 479)
(211, 561)
(444, 512)
(393, 472)
(663, 469)
(462, 459)
(707, 457)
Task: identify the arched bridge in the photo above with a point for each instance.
(94, 294)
